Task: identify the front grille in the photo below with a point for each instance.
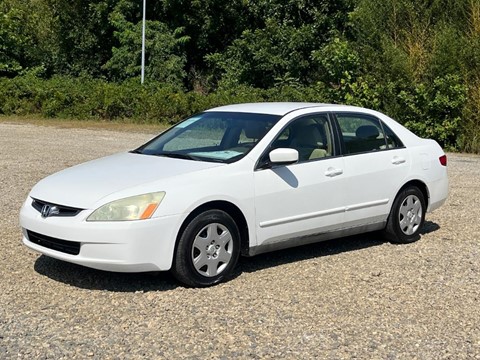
(65, 246)
(62, 210)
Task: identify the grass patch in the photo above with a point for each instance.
(126, 125)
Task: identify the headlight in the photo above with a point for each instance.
(132, 208)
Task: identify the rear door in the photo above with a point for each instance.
(376, 164)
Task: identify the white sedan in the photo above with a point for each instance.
(239, 179)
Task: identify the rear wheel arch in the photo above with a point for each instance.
(407, 213)
(230, 209)
(418, 184)
(421, 186)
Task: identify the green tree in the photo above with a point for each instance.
(212, 25)
(337, 61)
(276, 48)
(82, 38)
(12, 40)
(265, 57)
(165, 49)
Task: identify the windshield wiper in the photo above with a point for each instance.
(189, 157)
(136, 151)
(178, 156)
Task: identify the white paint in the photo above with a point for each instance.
(278, 203)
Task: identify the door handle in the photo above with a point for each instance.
(398, 160)
(331, 172)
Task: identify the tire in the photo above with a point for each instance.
(406, 217)
(207, 250)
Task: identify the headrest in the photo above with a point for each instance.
(367, 132)
(308, 136)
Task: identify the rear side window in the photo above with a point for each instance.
(362, 134)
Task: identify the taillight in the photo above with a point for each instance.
(443, 160)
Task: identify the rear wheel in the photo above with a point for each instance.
(406, 217)
(207, 250)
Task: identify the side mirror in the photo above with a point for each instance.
(283, 156)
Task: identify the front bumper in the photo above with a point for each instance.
(122, 246)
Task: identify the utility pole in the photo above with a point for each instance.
(143, 42)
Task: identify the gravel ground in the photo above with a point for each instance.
(353, 298)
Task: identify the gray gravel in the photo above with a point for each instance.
(356, 297)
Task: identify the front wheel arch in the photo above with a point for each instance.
(208, 249)
(231, 209)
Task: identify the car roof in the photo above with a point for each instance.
(273, 108)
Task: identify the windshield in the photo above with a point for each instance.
(211, 136)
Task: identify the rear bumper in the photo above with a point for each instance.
(438, 192)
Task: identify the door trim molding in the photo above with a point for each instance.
(289, 219)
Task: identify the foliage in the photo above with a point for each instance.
(337, 61)
(89, 98)
(9, 38)
(469, 138)
(277, 51)
(265, 57)
(418, 61)
(15, 38)
(164, 51)
(436, 111)
(424, 56)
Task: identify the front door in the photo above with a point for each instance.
(296, 203)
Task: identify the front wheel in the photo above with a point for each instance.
(406, 217)
(207, 250)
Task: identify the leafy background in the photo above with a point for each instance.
(418, 61)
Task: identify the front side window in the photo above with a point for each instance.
(311, 136)
(362, 133)
(212, 136)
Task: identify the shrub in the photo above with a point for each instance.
(435, 111)
(469, 139)
(445, 110)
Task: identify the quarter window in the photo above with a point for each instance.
(392, 140)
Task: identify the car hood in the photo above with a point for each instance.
(84, 185)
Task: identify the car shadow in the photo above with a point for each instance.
(428, 227)
(320, 249)
(92, 279)
(310, 251)
(86, 278)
